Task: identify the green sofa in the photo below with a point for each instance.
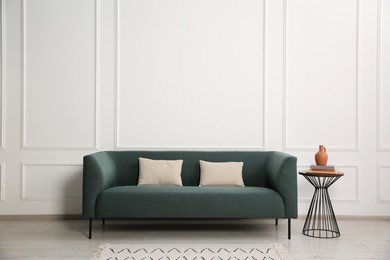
(110, 187)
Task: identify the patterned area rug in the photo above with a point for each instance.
(191, 252)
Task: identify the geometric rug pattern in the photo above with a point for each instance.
(191, 252)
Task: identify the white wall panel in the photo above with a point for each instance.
(79, 76)
(383, 181)
(190, 74)
(384, 75)
(51, 181)
(321, 41)
(60, 81)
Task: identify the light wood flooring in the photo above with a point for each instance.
(67, 239)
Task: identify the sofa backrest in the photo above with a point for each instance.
(126, 164)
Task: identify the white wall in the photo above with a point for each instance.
(82, 76)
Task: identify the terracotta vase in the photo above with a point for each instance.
(321, 156)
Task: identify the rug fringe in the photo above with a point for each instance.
(98, 252)
(282, 252)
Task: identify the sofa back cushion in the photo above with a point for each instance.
(127, 167)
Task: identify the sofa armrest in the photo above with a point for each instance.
(282, 177)
(98, 175)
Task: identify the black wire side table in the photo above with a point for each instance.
(320, 220)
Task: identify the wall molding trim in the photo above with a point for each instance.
(94, 146)
(2, 182)
(118, 146)
(23, 165)
(380, 148)
(285, 146)
(379, 181)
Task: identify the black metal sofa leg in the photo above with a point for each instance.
(90, 229)
(289, 228)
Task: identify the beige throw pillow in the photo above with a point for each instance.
(159, 172)
(221, 173)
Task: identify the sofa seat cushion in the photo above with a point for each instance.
(189, 202)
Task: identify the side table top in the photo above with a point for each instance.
(321, 174)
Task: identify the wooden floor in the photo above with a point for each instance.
(67, 239)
